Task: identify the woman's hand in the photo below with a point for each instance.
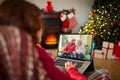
(69, 64)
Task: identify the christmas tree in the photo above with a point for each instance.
(49, 6)
(104, 21)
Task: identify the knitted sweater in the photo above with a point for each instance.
(18, 56)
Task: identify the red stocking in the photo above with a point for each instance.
(65, 22)
(72, 21)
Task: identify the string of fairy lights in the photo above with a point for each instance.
(104, 21)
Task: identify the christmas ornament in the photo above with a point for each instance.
(91, 12)
(112, 23)
(91, 31)
(49, 6)
(106, 27)
(119, 43)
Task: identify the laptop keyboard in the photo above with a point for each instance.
(61, 62)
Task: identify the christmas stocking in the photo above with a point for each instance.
(65, 22)
(72, 21)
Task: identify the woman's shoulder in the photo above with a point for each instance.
(43, 54)
(42, 51)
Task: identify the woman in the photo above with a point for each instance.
(80, 49)
(26, 16)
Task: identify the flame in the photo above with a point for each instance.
(51, 40)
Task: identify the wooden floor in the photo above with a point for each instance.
(113, 66)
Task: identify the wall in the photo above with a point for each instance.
(83, 7)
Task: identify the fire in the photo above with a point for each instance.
(51, 40)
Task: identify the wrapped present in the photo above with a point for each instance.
(116, 50)
(107, 49)
(110, 54)
(99, 54)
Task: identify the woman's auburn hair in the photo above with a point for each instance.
(22, 14)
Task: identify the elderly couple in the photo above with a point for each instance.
(74, 51)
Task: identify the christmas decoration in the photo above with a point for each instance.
(104, 22)
(72, 10)
(65, 22)
(68, 20)
(49, 6)
(72, 20)
(107, 48)
(99, 54)
(116, 51)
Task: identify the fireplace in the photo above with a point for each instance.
(52, 30)
(51, 39)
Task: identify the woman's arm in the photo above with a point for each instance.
(73, 72)
(53, 72)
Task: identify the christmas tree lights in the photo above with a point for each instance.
(104, 21)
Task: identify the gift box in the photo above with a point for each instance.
(116, 50)
(107, 49)
(99, 54)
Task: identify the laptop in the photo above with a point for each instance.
(80, 55)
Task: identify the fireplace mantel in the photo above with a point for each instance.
(50, 15)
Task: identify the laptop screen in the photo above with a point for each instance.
(75, 46)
